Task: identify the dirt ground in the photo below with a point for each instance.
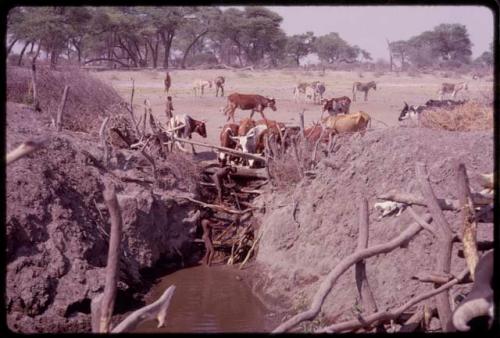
(384, 104)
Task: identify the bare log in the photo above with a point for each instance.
(388, 315)
(342, 267)
(108, 299)
(218, 207)
(61, 108)
(25, 148)
(469, 224)
(364, 290)
(102, 136)
(224, 149)
(421, 221)
(413, 322)
(432, 277)
(244, 172)
(95, 312)
(154, 310)
(444, 233)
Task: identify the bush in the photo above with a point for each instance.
(88, 98)
(467, 117)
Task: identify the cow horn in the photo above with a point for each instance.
(469, 310)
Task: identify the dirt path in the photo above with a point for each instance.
(384, 104)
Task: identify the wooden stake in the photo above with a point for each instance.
(469, 224)
(61, 109)
(102, 136)
(112, 268)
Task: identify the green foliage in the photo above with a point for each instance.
(332, 48)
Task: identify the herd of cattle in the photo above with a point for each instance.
(250, 136)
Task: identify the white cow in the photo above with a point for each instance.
(199, 86)
(252, 141)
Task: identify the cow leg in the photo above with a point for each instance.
(366, 95)
(222, 91)
(251, 114)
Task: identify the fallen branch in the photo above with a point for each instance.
(251, 250)
(154, 310)
(218, 207)
(469, 224)
(432, 277)
(109, 295)
(388, 315)
(25, 148)
(223, 149)
(61, 108)
(343, 266)
(421, 221)
(444, 235)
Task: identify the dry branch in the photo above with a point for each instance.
(61, 109)
(251, 250)
(388, 315)
(102, 136)
(421, 221)
(445, 237)
(243, 172)
(36, 104)
(218, 207)
(25, 148)
(301, 123)
(154, 310)
(223, 149)
(108, 299)
(364, 290)
(469, 224)
(433, 278)
(342, 267)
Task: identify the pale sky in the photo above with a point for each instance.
(369, 26)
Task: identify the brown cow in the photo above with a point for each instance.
(190, 126)
(347, 123)
(335, 106)
(230, 129)
(273, 128)
(312, 134)
(245, 126)
(251, 102)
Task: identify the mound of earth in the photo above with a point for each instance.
(309, 228)
(57, 224)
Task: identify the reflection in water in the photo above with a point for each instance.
(210, 300)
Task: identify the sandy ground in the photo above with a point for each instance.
(384, 104)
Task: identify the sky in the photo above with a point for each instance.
(370, 26)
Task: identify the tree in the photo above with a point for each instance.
(447, 43)
(299, 46)
(331, 48)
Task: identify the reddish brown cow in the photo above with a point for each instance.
(315, 132)
(230, 129)
(251, 102)
(273, 128)
(245, 126)
(334, 106)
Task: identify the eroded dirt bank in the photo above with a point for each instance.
(57, 224)
(309, 228)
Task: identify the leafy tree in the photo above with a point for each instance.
(299, 46)
(331, 48)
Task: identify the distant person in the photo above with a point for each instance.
(168, 82)
(169, 108)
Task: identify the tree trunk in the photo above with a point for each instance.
(9, 48)
(53, 59)
(20, 60)
(167, 43)
(188, 49)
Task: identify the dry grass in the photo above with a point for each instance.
(468, 117)
(88, 98)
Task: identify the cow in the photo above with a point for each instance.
(251, 102)
(190, 126)
(347, 123)
(199, 86)
(362, 87)
(412, 112)
(274, 129)
(476, 311)
(310, 94)
(167, 82)
(335, 106)
(219, 84)
(317, 131)
(252, 142)
(453, 88)
(230, 129)
(245, 126)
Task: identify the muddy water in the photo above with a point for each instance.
(211, 299)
